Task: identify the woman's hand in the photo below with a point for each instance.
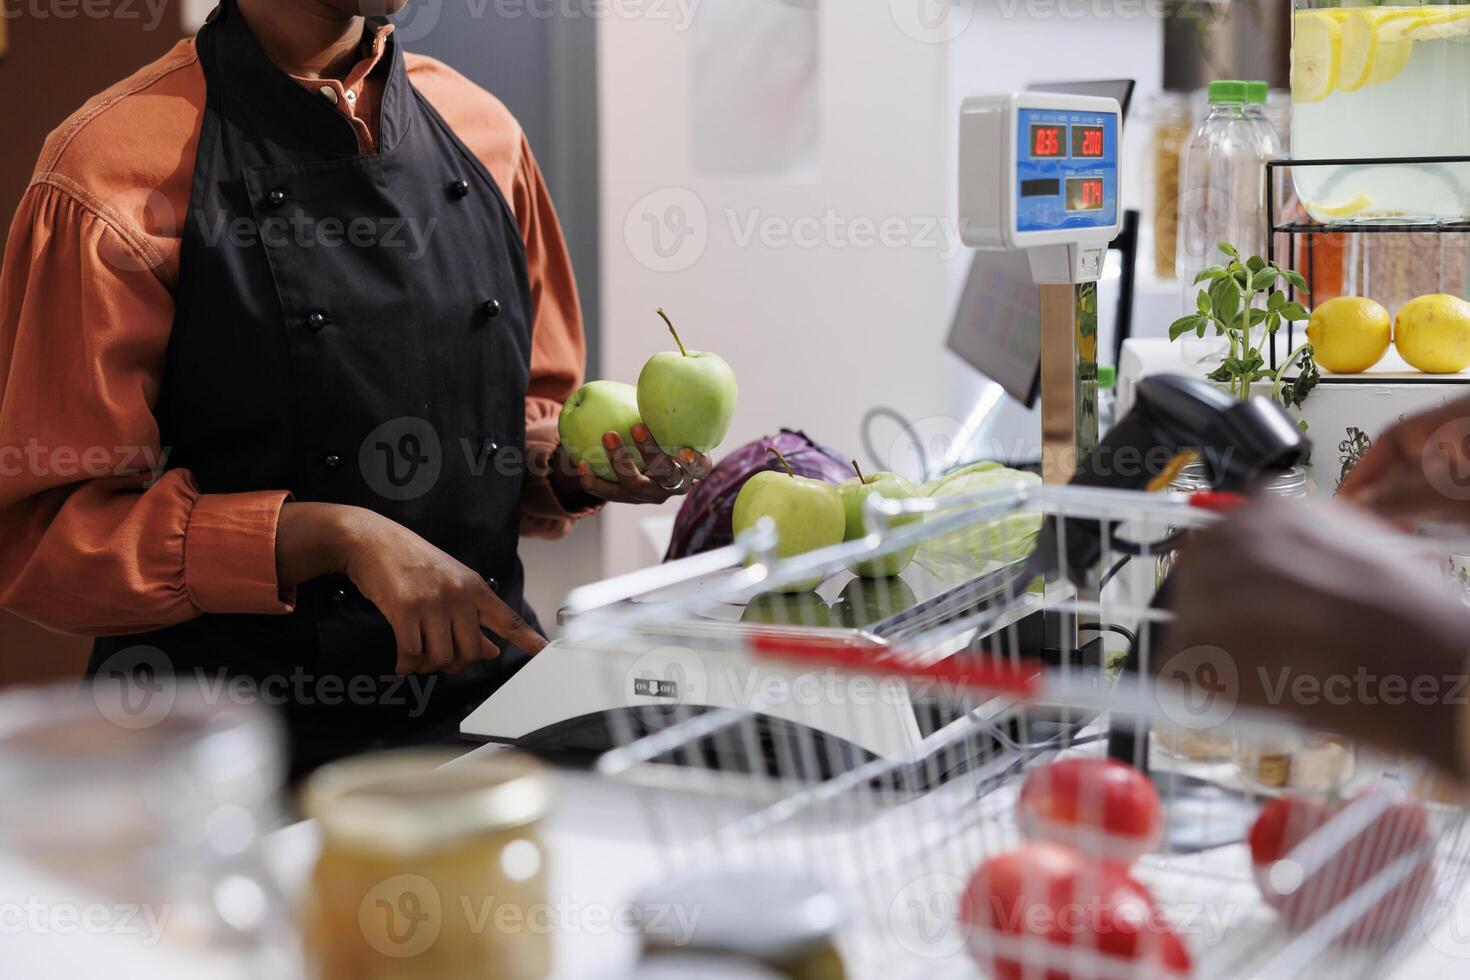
(436, 605)
(663, 476)
(1417, 469)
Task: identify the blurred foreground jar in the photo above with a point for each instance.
(145, 797)
(1214, 744)
(428, 869)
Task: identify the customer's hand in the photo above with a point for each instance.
(662, 477)
(1300, 607)
(1417, 469)
(436, 605)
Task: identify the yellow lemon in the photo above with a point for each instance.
(1374, 48)
(1315, 52)
(1443, 24)
(1433, 333)
(1349, 334)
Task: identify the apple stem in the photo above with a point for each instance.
(660, 312)
(859, 471)
(777, 453)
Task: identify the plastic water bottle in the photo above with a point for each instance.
(1257, 94)
(1222, 187)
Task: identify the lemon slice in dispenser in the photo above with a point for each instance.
(1444, 24)
(1374, 49)
(1315, 55)
(1326, 212)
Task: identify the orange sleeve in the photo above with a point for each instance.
(558, 348)
(96, 535)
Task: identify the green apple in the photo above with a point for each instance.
(595, 409)
(808, 514)
(687, 398)
(789, 609)
(855, 493)
(865, 601)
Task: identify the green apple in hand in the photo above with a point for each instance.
(687, 398)
(595, 409)
(865, 601)
(808, 514)
(788, 609)
(855, 493)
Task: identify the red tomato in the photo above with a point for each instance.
(1043, 910)
(1357, 854)
(1097, 806)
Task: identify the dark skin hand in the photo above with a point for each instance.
(1418, 469)
(1302, 605)
(632, 486)
(437, 606)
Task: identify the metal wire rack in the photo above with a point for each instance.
(876, 735)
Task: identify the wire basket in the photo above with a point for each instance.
(875, 736)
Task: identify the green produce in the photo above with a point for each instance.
(808, 514)
(597, 408)
(788, 609)
(855, 493)
(687, 399)
(865, 601)
(960, 554)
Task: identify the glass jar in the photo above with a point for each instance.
(1306, 763)
(1171, 114)
(429, 868)
(1213, 744)
(153, 801)
(1381, 81)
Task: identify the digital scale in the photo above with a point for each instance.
(1039, 173)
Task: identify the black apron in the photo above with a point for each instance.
(353, 329)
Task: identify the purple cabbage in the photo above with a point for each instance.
(703, 523)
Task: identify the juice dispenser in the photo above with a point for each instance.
(1373, 80)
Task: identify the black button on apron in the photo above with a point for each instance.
(339, 595)
(332, 462)
(277, 197)
(494, 584)
(492, 308)
(459, 189)
(316, 320)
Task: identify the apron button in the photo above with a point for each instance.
(332, 462)
(494, 584)
(316, 320)
(277, 197)
(492, 308)
(459, 189)
(339, 596)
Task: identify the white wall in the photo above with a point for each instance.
(818, 334)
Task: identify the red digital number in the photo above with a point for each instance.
(1092, 194)
(1047, 141)
(1092, 143)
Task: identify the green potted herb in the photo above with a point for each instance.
(1227, 305)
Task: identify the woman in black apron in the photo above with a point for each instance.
(385, 390)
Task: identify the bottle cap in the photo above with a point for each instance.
(1107, 375)
(1228, 92)
(1256, 93)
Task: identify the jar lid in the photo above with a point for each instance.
(763, 915)
(1283, 483)
(1228, 92)
(413, 800)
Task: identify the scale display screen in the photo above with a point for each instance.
(1066, 170)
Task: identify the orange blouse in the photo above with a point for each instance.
(97, 536)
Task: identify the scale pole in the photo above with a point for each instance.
(1069, 425)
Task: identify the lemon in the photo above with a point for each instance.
(1326, 212)
(1433, 333)
(1445, 23)
(1373, 48)
(1349, 334)
(1315, 52)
